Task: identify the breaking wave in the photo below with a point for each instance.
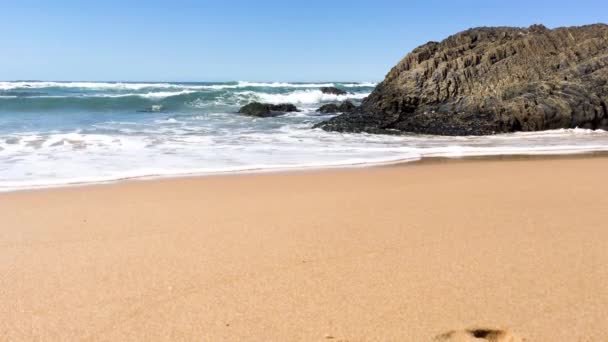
(58, 133)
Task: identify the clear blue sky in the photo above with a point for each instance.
(257, 40)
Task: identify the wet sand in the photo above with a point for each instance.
(503, 250)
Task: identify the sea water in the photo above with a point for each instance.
(59, 133)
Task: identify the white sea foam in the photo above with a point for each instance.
(302, 97)
(362, 84)
(203, 146)
(243, 84)
(305, 85)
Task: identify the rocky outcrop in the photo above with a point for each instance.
(265, 110)
(333, 91)
(284, 108)
(492, 80)
(344, 107)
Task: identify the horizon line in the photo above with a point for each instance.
(164, 81)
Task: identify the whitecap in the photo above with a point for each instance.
(243, 84)
(302, 97)
(361, 84)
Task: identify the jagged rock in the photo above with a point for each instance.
(492, 80)
(265, 110)
(333, 91)
(344, 107)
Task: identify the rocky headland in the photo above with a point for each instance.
(492, 80)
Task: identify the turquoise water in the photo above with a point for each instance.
(66, 105)
(57, 133)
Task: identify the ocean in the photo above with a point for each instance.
(60, 133)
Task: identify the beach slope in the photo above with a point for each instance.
(502, 250)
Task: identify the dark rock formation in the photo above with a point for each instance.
(284, 108)
(492, 80)
(333, 91)
(265, 110)
(344, 107)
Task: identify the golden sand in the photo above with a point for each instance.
(494, 250)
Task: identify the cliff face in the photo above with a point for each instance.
(492, 80)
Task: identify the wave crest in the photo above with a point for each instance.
(303, 97)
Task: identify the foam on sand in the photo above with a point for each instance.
(190, 145)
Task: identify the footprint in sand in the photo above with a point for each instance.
(478, 335)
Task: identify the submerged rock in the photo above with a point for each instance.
(333, 91)
(344, 107)
(491, 80)
(264, 110)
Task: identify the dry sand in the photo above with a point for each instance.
(516, 249)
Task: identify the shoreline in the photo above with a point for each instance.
(297, 169)
(409, 253)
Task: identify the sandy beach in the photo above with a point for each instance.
(505, 250)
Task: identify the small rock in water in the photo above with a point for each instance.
(265, 110)
(333, 91)
(344, 107)
(284, 107)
